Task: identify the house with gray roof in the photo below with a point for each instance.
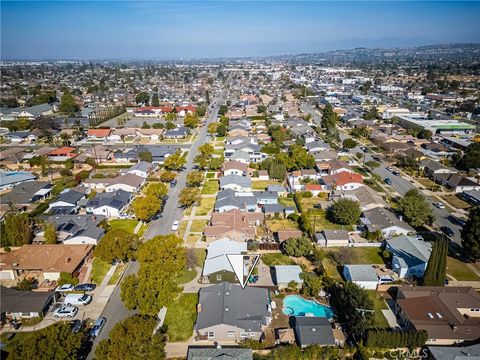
(26, 193)
(410, 255)
(313, 330)
(266, 197)
(362, 275)
(177, 133)
(20, 136)
(273, 209)
(76, 229)
(217, 267)
(332, 238)
(69, 198)
(383, 220)
(469, 352)
(219, 353)
(283, 274)
(229, 199)
(226, 312)
(236, 182)
(316, 146)
(109, 204)
(8, 179)
(141, 169)
(24, 304)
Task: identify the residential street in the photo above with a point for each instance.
(115, 310)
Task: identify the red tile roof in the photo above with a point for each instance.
(63, 151)
(98, 132)
(343, 178)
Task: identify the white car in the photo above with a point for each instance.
(175, 225)
(439, 205)
(65, 288)
(65, 311)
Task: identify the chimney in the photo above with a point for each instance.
(67, 260)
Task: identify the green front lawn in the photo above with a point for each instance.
(201, 255)
(186, 276)
(181, 316)
(210, 187)
(127, 224)
(379, 305)
(263, 184)
(198, 226)
(286, 201)
(210, 175)
(273, 259)
(460, 270)
(205, 206)
(99, 270)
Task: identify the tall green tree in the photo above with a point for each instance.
(175, 161)
(189, 197)
(471, 235)
(145, 207)
(345, 212)
(195, 178)
(16, 229)
(329, 118)
(68, 105)
(117, 244)
(436, 271)
(416, 209)
(155, 101)
(132, 338)
(50, 233)
(142, 98)
(154, 286)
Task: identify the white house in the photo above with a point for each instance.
(410, 255)
(362, 275)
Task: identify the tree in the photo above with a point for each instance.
(365, 87)
(215, 163)
(189, 197)
(297, 246)
(66, 278)
(133, 338)
(277, 170)
(142, 98)
(212, 128)
(68, 105)
(195, 178)
(145, 207)
(312, 284)
(436, 271)
(201, 110)
(349, 143)
(50, 233)
(221, 130)
(117, 244)
(175, 161)
(155, 101)
(145, 156)
(352, 299)
(261, 108)
(26, 284)
(55, 342)
(425, 134)
(161, 260)
(223, 110)
(191, 121)
(329, 118)
(415, 208)
(16, 229)
(471, 235)
(145, 125)
(372, 164)
(345, 212)
(170, 125)
(204, 156)
(167, 176)
(156, 190)
(471, 157)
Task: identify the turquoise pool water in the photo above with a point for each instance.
(294, 305)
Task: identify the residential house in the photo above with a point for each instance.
(63, 153)
(226, 312)
(177, 133)
(109, 204)
(457, 182)
(26, 193)
(472, 197)
(379, 219)
(17, 304)
(128, 182)
(362, 275)
(98, 134)
(333, 238)
(141, 169)
(30, 112)
(333, 167)
(313, 330)
(343, 181)
(230, 199)
(235, 224)
(449, 314)
(366, 197)
(8, 179)
(469, 352)
(69, 198)
(283, 275)
(20, 136)
(433, 168)
(279, 189)
(159, 152)
(123, 135)
(43, 262)
(234, 168)
(410, 255)
(274, 210)
(219, 352)
(151, 134)
(236, 182)
(75, 229)
(217, 267)
(266, 197)
(316, 146)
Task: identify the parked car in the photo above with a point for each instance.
(66, 311)
(387, 181)
(447, 231)
(439, 205)
(456, 220)
(385, 280)
(97, 327)
(85, 287)
(175, 225)
(65, 288)
(389, 168)
(77, 299)
(173, 183)
(77, 326)
(396, 173)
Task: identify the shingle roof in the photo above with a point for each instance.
(217, 255)
(13, 177)
(243, 181)
(379, 219)
(223, 353)
(362, 272)
(313, 330)
(15, 301)
(411, 250)
(286, 273)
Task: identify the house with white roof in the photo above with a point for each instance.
(217, 267)
(284, 274)
(362, 275)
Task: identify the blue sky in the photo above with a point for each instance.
(181, 29)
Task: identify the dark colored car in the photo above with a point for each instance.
(447, 231)
(388, 181)
(455, 220)
(85, 287)
(396, 173)
(173, 183)
(77, 326)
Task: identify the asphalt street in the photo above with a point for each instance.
(115, 310)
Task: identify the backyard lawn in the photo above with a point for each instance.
(355, 255)
(210, 187)
(210, 175)
(181, 316)
(331, 269)
(319, 218)
(262, 184)
(460, 270)
(99, 270)
(283, 224)
(379, 305)
(205, 206)
(273, 259)
(198, 226)
(286, 201)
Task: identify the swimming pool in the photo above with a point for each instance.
(294, 305)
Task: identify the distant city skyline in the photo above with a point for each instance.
(208, 29)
